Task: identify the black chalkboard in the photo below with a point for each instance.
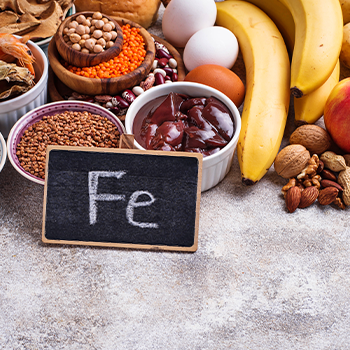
(122, 198)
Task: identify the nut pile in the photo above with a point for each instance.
(164, 70)
(67, 128)
(90, 34)
(324, 176)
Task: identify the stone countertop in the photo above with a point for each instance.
(261, 278)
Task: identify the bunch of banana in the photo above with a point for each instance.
(309, 108)
(312, 31)
(267, 96)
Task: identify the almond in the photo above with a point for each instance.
(293, 196)
(327, 195)
(328, 174)
(308, 196)
(330, 183)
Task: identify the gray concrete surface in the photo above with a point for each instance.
(261, 278)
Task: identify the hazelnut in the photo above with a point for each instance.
(291, 160)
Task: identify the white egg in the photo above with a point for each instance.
(183, 18)
(212, 45)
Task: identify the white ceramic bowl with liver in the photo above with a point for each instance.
(13, 109)
(216, 166)
(37, 114)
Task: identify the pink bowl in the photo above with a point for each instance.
(37, 114)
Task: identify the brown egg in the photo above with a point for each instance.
(220, 78)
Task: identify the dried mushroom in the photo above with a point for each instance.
(40, 18)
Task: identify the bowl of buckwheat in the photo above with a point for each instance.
(64, 123)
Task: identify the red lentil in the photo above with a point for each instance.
(132, 55)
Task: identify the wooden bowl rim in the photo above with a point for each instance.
(95, 57)
(56, 95)
(150, 47)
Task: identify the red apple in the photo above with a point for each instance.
(337, 114)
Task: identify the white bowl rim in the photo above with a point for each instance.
(228, 102)
(10, 138)
(33, 90)
(3, 151)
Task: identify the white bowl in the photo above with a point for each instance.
(216, 166)
(37, 114)
(3, 152)
(13, 109)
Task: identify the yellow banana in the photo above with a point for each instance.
(309, 108)
(281, 16)
(267, 96)
(318, 40)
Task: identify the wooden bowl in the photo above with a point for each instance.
(58, 91)
(107, 86)
(80, 59)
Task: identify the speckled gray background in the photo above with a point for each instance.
(261, 278)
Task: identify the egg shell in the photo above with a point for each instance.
(212, 45)
(220, 78)
(183, 18)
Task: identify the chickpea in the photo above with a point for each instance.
(71, 31)
(84, 50)
(92, 29)
(109, 44)
(107, 27)
(93, 21)
(90, 43)
(99, 24)
(80, 19)
(97, 34)
(114, 34)
(105, 20)
(74, 38)
(85, 36)
(87, 23)
(112, 24)
(66, 38)
(65, 30)
(98, 48)
(82, 43)
(107, 36)
(73, 24)
(101, 42)
(97, 15)
(76, 46)
(87, 30)
(80, 29)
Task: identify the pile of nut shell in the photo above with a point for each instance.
(315, 173)
(90, 34)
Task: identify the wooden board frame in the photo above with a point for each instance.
(156, 247)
